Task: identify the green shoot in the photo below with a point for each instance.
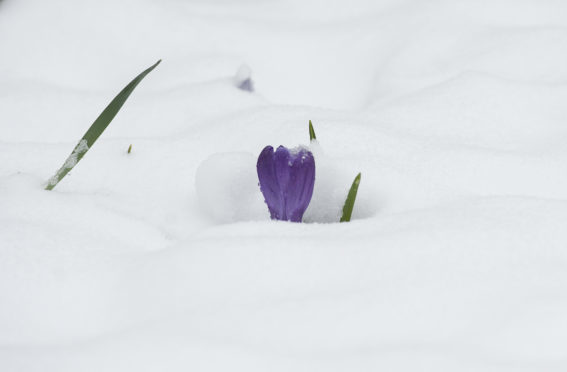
(130, 148)
(96, 129)
(351, 197)
(311, 132)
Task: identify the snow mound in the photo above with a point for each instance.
(227, 188)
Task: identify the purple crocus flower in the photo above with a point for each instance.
(286, 179)
(246, 85)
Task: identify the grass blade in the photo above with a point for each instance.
(351, 197)
(96, 129)
(311, 132)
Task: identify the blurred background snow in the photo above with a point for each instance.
(454, 112)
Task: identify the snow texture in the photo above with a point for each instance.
(165, 259)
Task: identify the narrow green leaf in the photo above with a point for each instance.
(311, 132)
(96, 129)
(351, 197)
(130, 148)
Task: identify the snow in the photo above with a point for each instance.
(164, 259)
(227, 188)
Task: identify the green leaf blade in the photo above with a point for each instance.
(96, 129)
(312, 136)
(351, 198)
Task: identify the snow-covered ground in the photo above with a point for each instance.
(165, 259)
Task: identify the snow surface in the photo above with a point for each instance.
(454, 111)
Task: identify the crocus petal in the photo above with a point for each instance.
(286, 180)
(302, 180)
(268, 182)
(246, 85)
(282, 165)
